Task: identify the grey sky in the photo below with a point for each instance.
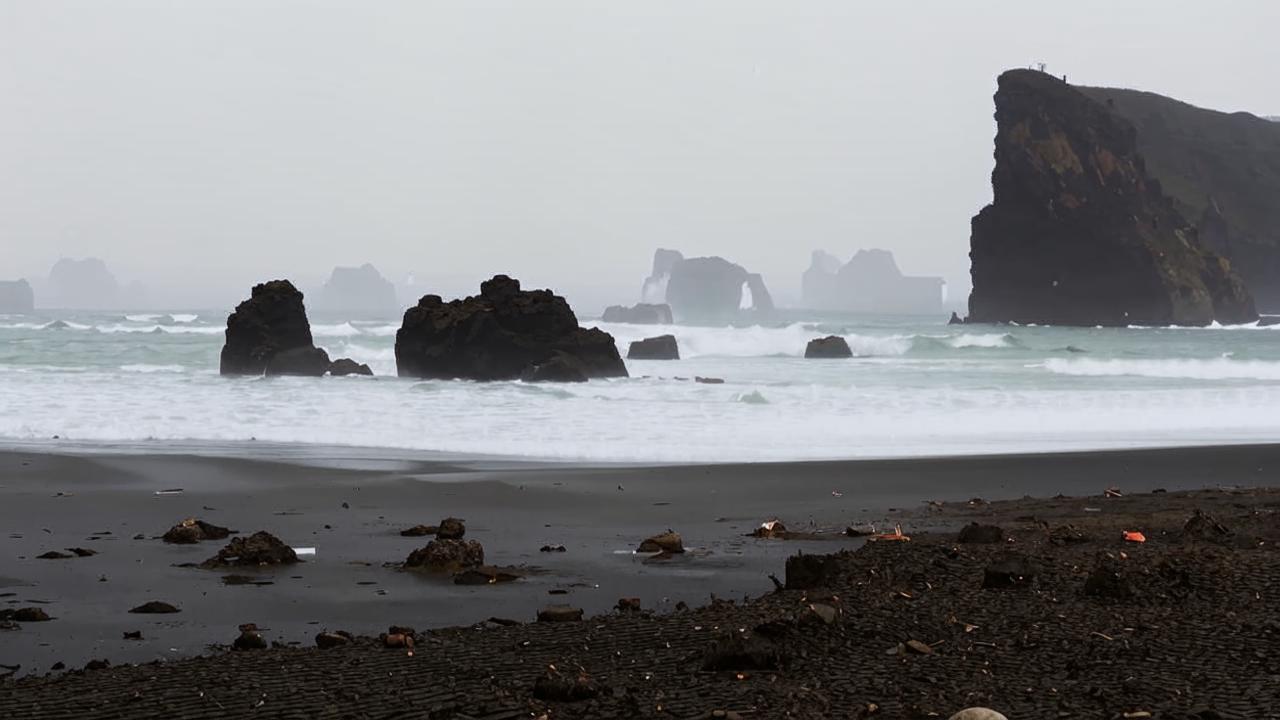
(199, 146)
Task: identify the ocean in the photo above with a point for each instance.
(149, 381)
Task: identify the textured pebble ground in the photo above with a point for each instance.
(1187, 626)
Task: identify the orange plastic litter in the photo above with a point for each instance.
(1134, 536)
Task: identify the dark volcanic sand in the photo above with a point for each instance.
(1202, 630)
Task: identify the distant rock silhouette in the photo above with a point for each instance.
(16, 297)
(504, 333)
(705, 290)
(662, 347)
(269, 334)
(82, 284)
(869, 283)
(1078, 232)
(640, 314)
(357, 290)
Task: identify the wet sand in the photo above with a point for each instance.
(52, 502)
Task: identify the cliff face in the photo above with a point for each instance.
(1218, 167)
(1078, 233)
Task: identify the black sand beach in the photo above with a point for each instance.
(1201, 639)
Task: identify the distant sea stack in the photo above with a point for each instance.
(705, 290)
(1078, 232)
(16, 297)
(83, 283)
(869, 283)
(1219, 168)
(361, 291)
(269, 334)
(639, 314)
(504, 333)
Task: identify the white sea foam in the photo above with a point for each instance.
(754, 341)
(183, 317)
(968, 340)
(345, 329)
(142, 318)
(145, 368)
(1222, 368)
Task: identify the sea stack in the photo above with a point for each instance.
(1078, 232)
(16, 297)
(504, 333)
(662, 347)
(705, 290)
(269, 334)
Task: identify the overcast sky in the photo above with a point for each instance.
(199, 146)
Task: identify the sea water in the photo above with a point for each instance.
(916, 387)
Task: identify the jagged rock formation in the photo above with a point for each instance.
(504, 333)
(82, 284)
(269, 334)
(16, 297)
(1078, 233)
(639, 314)
(869, 283)
(662, 347)
(1219, 168)
(357, 290)
(830, 347)
(705, 290)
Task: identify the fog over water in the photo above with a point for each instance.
(199, 147)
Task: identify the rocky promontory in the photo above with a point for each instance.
(1078, 232)
(504, 333)
(16, 297)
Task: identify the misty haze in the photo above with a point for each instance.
(704, 359)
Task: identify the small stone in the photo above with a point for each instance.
(97, 665)
(668, 543)
(53, 555)
(250, 639)
(133, 635)
(30, 614)
(822, 612)
(155, 607)
(551, 548)
(978, 714)
(420, 531)
(918, 647)
(192, 531)
(326, 640)
(628, 605)
(444, 555)
(559, 613)
(974, 533)
(82, 552)
(451, 529)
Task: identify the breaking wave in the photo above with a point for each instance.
(1192, 369)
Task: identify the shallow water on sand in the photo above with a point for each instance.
(916, 387)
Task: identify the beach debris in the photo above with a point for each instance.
(708, 380)
(1067, 535)
(250, 638)
(978, 713)
(667, 543)
(25, 615)
(1112, 492)
(805, 572)
(1134, 536)
(555, 686)
(975, 533)
(9, 625)
(155, 607)
(304, 551)
(837, 494)
(552, 548)
(133, 635)
(770, 529)
(1008, 571)
(54, 555)
(446, 556)
(918, 647)
(559, 613)
(1106, 581)
(1205, 527)
(484, 575)
(169, 491)
(628, 605)
(736, 650)
(451, 528)
(976, 501)
(895, 536)
(1092, 510)
(326, 640)
(191, 531)
(260, 548)
(420, 531)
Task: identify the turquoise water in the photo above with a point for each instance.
(917, 387)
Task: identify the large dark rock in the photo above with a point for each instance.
(560, 368)
(832, 346)
(705, 290)
(347, 366)
(446, 556)
(361, 291)
(500, 334)
(269, 334)
(260, 548)
(639, 314)
(662, 347)
(1079, 233)
(869, 283)
(16, 297)
(1222, 170)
